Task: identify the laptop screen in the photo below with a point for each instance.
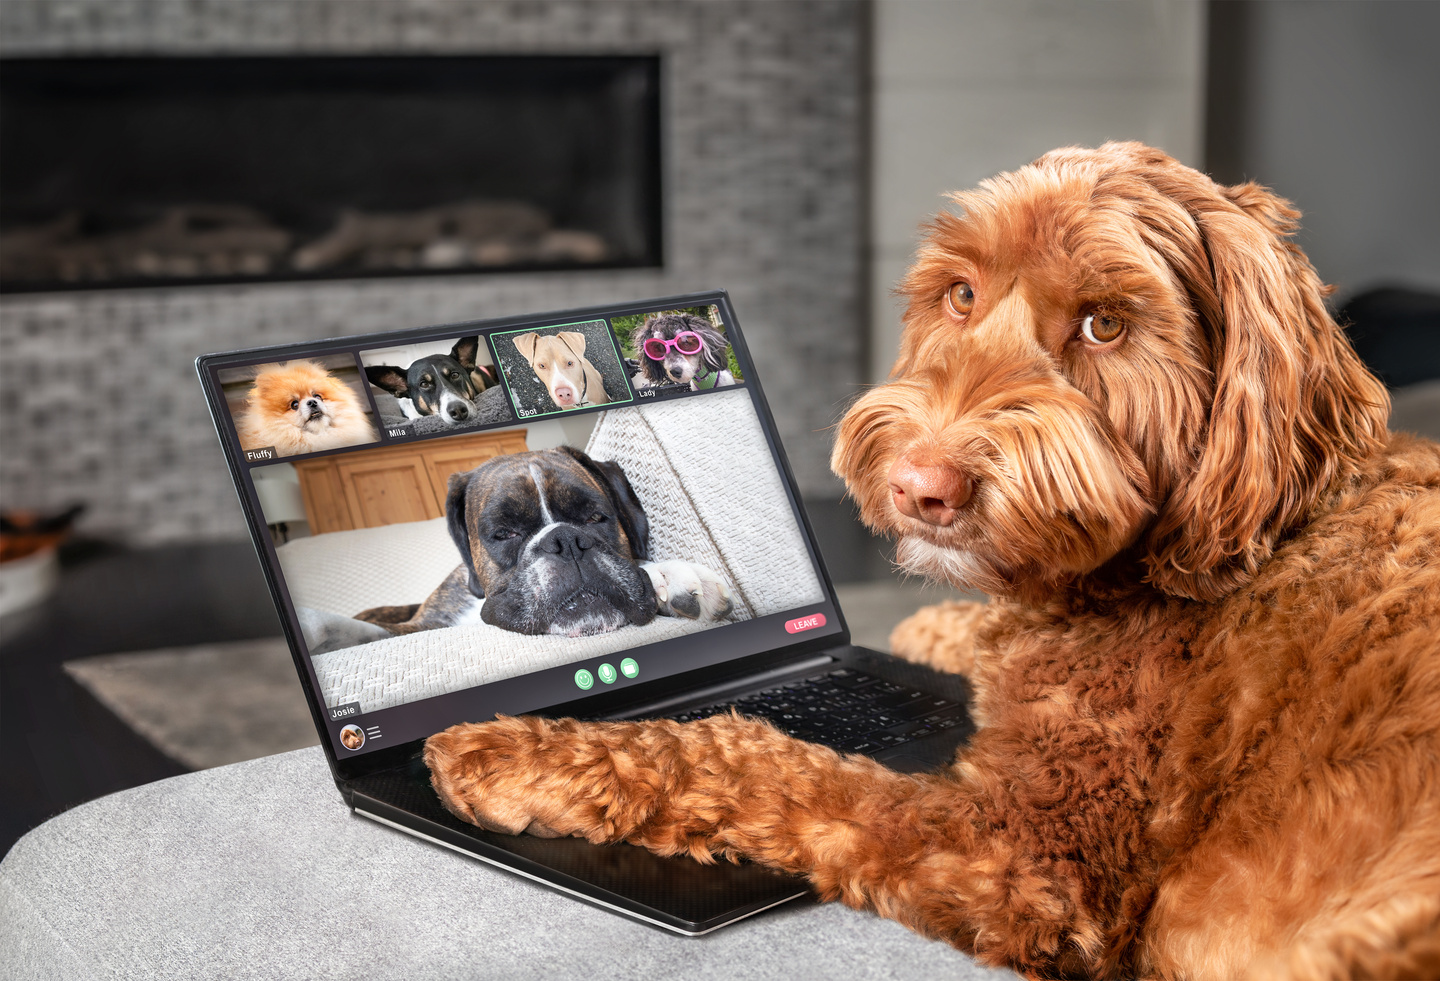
(500, 516)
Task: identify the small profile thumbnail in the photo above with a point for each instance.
(352, 736)
(555, 369)
(288, 408)
(435, 386)
(675, 350)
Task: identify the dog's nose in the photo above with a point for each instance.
(459, 411)
(568, 542)
(929, 492)
(564, 395)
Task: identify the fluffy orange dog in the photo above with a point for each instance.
(302, 408)
(1209, 682)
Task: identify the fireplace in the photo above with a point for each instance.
(128, 171)
(761, 110)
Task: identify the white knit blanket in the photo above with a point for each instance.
(701, 468)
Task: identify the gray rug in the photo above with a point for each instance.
(205, 706)
(872, 609)
(221, 703)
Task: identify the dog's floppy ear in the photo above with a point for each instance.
(1293, 406)
(390, 378)
(716, 348)
(482, 376)
(455, 524)
(465, 350)
(642, 330)
(631, 512)
(575, 339)
(526, 344)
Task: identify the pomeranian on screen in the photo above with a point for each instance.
(301, 408)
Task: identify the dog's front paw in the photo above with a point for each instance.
(548, 778)
(684, 589)
(942, 636)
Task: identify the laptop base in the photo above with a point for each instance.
(677, 893)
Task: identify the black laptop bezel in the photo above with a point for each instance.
(346, 769)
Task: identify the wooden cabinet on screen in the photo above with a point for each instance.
(384, 486)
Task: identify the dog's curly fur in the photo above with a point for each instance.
(1209, 681)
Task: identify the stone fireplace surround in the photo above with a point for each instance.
(763, 114)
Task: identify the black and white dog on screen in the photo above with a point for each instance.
(679, 349)
(440, 385)
(554, 542)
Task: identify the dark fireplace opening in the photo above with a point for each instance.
(162, 171)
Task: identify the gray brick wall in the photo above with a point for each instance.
(763, 119)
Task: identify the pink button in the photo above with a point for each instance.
(805, 623)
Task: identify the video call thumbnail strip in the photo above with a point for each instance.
(453, 384)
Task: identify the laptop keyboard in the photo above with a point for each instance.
(845, 709)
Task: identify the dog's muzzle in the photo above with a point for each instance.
(929, 492)
(567, 542)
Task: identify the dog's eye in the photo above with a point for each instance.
(315, 395)
(294, 403)
(503, 534)
(961, 299)
(569, 364)
(595, 518)
(1101, 328)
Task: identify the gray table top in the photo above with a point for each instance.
(258, 870)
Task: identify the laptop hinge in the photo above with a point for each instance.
(703, 695)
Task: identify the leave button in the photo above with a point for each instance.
(805, 623)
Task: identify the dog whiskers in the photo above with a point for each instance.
(961, 569)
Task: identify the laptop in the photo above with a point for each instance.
(406, 490)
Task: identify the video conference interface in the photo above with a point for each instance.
(455, 512)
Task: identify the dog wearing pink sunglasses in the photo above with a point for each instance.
(680, 349)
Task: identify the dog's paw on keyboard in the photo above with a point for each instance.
(684, 589)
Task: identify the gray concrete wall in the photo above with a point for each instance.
(967, 88)
(763, 115)
(1337, 107)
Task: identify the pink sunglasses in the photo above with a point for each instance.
(686, 342)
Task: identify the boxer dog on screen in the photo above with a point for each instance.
(553, 542)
